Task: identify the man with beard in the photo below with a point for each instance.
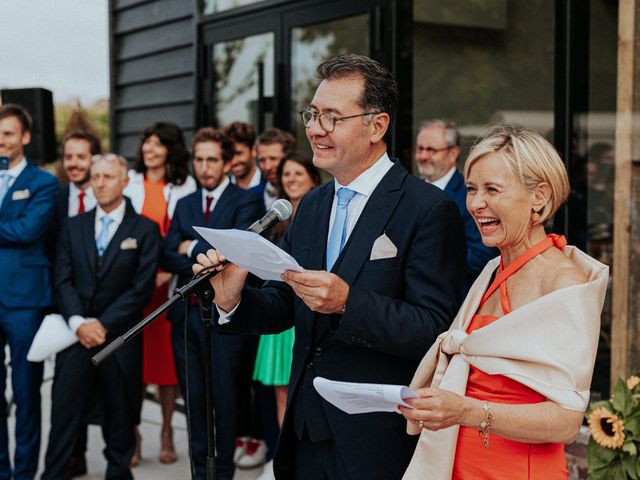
(244, 171)
(78, 147)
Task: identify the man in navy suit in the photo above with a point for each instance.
(78, 147)
(216, 204)
(384, 258)
(272, 146)
(27, 201)
(105, 273)
(437, 151)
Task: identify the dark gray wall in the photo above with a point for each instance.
(152, 68)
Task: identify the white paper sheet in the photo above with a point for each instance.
(53, 336)
(363, 397)
(251, 252)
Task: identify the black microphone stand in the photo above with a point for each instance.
(202, 287)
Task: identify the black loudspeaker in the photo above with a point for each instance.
(39, 103)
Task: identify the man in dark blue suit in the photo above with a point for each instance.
(27, 200)
(105, 273)
(216, 204)
(437, 152)
(78, 147)
(384, 258)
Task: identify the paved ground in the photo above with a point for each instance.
(150, 467)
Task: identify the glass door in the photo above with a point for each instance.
(259, 67)
(238, 78)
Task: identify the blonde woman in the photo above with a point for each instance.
(506, 387)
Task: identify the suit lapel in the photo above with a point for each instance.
(114, 245)
(371, 224)
(222, 207)
(89, 239)
(21, 182)
(321, 213)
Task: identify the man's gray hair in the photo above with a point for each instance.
(451, 134)
(112, 157)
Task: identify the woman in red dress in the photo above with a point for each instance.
(509, 382)
(158, 180)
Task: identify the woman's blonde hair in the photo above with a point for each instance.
(532, 158)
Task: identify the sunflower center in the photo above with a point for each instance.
(607, 428)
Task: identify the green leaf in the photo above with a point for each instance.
(598, 457)
(629, 465)
(622, 400)
(630, 448)
(632, 427)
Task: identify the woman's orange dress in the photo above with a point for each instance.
(158, 364)
(505, 459)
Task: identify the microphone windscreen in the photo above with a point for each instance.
(283, 209)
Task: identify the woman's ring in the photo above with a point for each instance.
(421, 423)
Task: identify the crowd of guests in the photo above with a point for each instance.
(385, 274)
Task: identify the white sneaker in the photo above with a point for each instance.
(267, 472)
(254, 456)
(241, 448)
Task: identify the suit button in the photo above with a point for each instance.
(369, 345)
(354, 339)
(306, 349)
(318, 352)
(310, 365)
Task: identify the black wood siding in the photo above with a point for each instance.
(152, 56)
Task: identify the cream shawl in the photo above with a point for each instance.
(548, 345)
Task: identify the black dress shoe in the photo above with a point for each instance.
(77, 466)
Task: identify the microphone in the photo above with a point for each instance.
(280, 210)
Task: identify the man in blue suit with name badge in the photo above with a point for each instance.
(27, 201)
(384, 258)
(437, 152)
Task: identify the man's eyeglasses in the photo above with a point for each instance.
(431, 150)
(326, 120)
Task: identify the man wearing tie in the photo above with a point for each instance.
(216, 204)
(27, 200)
(384, 259)
(77, 149)
(105, 273)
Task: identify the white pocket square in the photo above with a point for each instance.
(20, 194)
(383, 247)
(129, 244)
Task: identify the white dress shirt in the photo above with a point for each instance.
(363, 185)
(442, 182)
(255, 179)
(14, 172)
(74, 202)
(216, 193)
(117, 215)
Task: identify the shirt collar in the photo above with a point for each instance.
(368, 180)
(216, 192)
(74, 191)
(17, 170)
(441, 183)
(117, 215)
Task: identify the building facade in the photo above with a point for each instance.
(562, 67)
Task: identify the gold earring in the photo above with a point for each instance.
(535, 217)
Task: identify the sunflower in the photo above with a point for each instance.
(633, 382)
(606, 428)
